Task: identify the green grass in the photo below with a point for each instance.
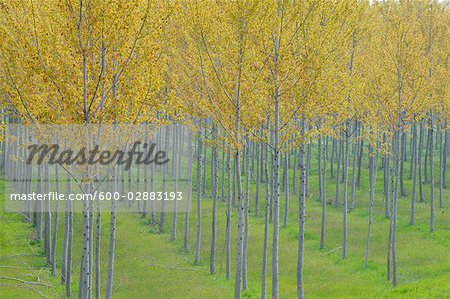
(149, 265)
(22, 260)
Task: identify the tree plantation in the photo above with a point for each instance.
(225, 148)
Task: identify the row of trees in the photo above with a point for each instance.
(259, 82)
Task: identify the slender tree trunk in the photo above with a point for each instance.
(301, 223)
(176, 144)
(164, 180)
(354, 151)
(98, 224)
(427, 153)
(411, 165)
(68, 272)
(387, 170)
(189, 195)
(445, 152)
(266, 225)
(246, 224)
(38, 205)
(65, 243)
(431, 149)
(222, 182)
(324, 197)
(294, 173)
(199, 199)
(339, 154)
(205, 160)
(91, 243)
(152, 189)
(372, 194)
(47, 226)
(397, 151)
(402, 163)
(344, 202)
(240, 232)
(441, 167)
(228, 228)
(258, 177)
(55, 224)
(394, 185)
(83, 287)
(360, 158)
(414, 173)
(419, 161)
(333, 153)
(395, 197)
(212, 267)
(276, 199)
(112, 239)
(319, 165)
(286, 190)
(308, 166)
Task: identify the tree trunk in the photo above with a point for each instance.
(98, 223)
(83, 287)
(324, 196)
(276, 200)
(215, 191)
(48, 215)
(189, 195)
(258, 177)
(68, 272)
(441, 167)
(308, 166)
(445, 151)
(222, 182)
(301, 223)
(372, 193)
(339, 154)
(228, 227)
(294, 173)
(177, 144)
(333, 153)
(38, 205)
(414, 173)
(387, 170)
(319, 165)
(65, 243)
(395, 197)
(431, 150)
(427, 153)
(164, 180)
(360, 158)
(266, 226)
(354, 151)
(240, 231)
(112, 239)
(344, 202)
(246, 216)
(402, 163)
(55, 225)
(286, 190)
(199, 199)
(205, 157)
(419, 161)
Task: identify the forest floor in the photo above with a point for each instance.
(149, 265)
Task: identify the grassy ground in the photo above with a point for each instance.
(23, 271)
(149, 265)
